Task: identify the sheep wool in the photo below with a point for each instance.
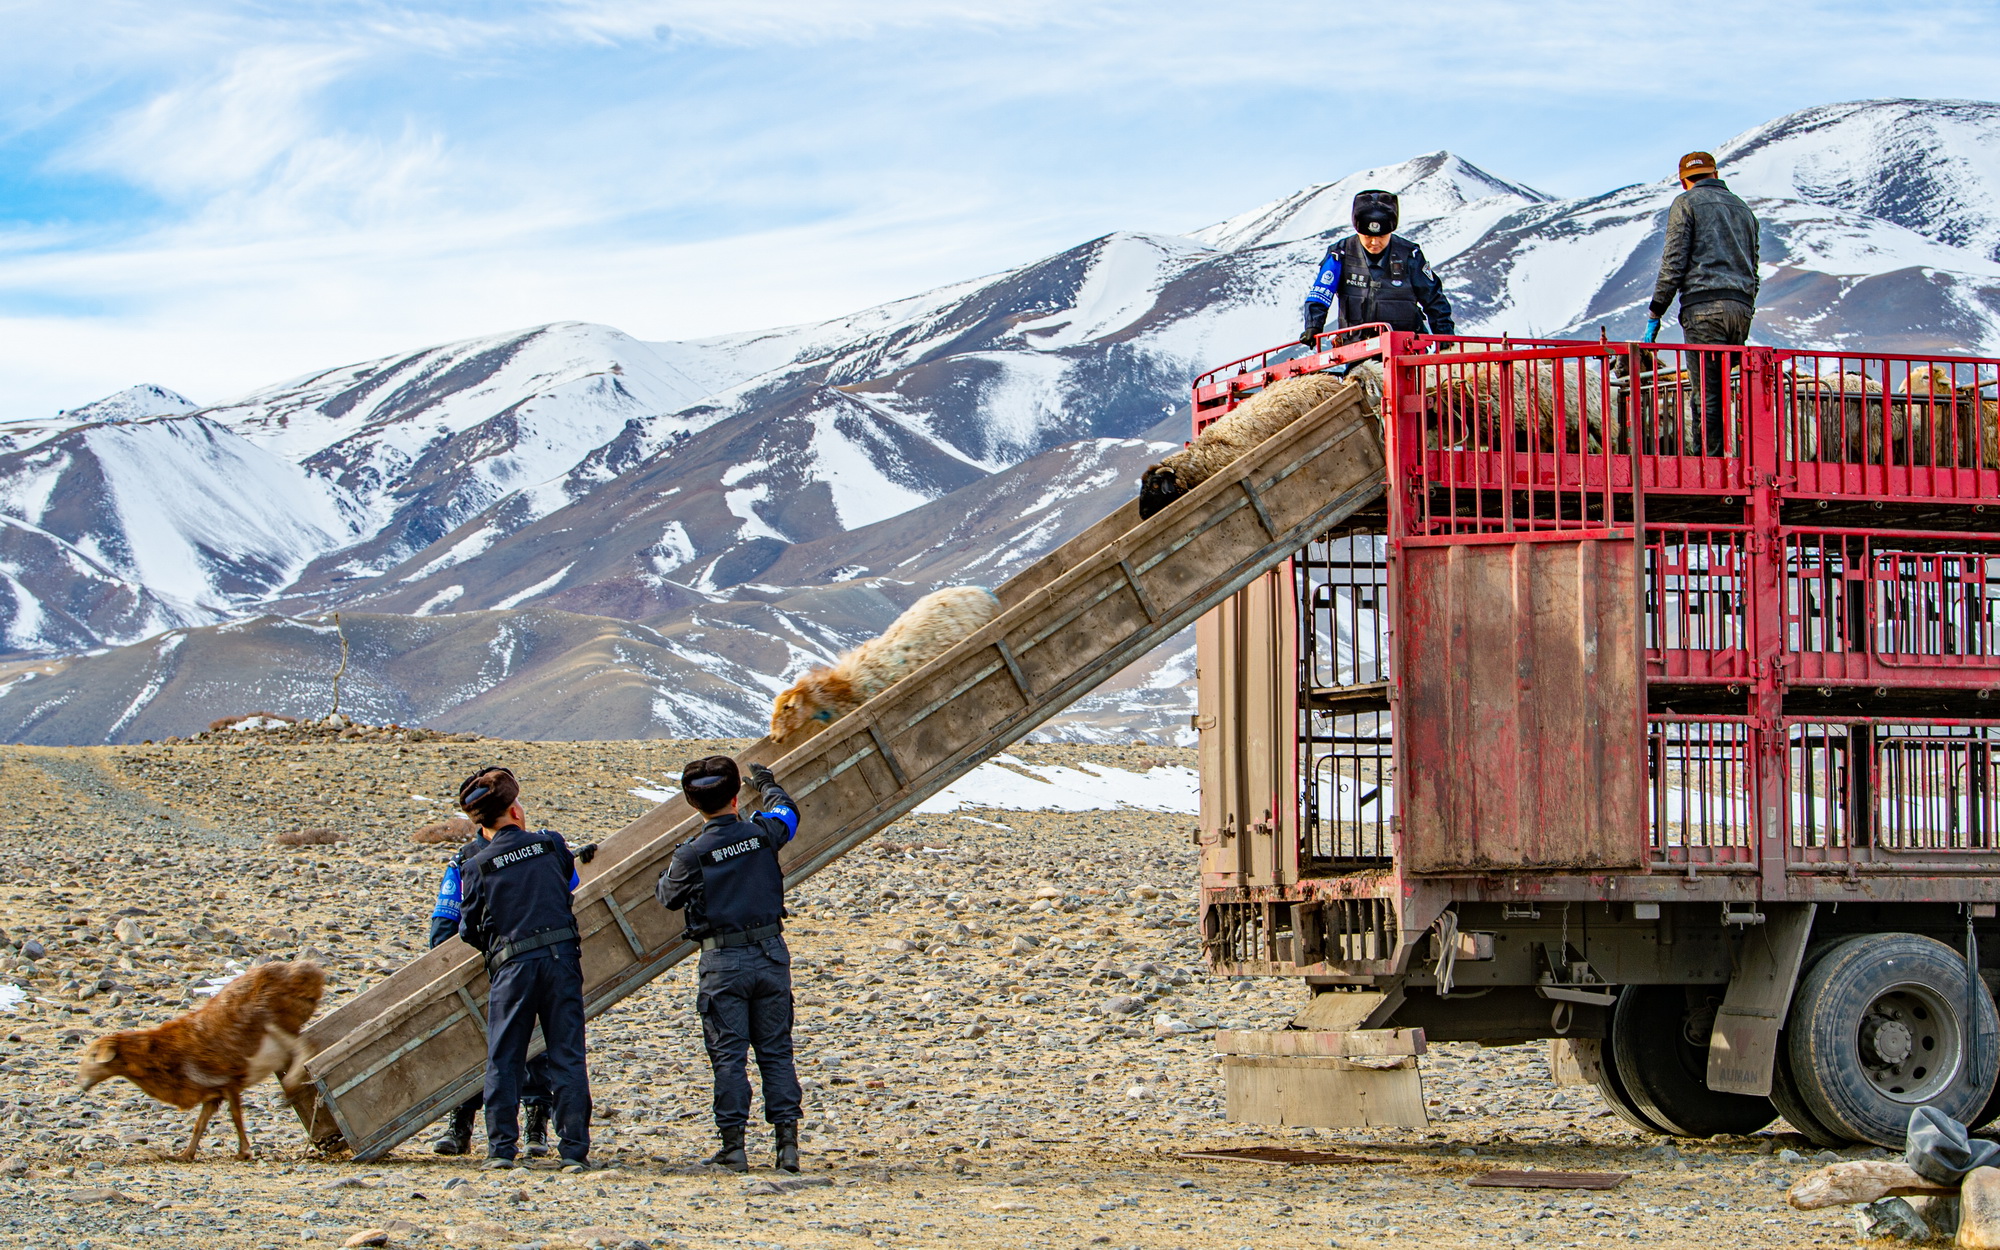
(929, 628)
(1245, 426)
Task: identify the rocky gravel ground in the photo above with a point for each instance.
(1004, 1025)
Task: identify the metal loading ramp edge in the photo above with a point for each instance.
(389, 1061)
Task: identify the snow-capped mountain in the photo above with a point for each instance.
(759, 500)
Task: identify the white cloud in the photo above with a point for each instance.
(214, 195)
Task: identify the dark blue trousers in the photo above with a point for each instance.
(546, 989)
(745, 1000)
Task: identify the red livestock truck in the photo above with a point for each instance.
(1650, 711)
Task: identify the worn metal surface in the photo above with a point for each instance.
(390, 1061)
(1521, 716)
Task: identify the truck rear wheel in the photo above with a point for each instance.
(1879, 1028)
(1614, 1094)
(1659, 1044)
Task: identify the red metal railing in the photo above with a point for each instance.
(1701, 789)
(1697, 603)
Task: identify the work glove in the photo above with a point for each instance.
(586, 852)
(1309, 339)
(760, 776)
(1652, 330)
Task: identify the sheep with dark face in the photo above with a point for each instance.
(1244, 427)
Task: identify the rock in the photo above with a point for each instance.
(1024, 945)
(1940, 1211)
(1790, 1156)
(1122, 1005)
(899, 944)
(456, 830)
(31, 949)
(99, 1195)
(1665, 1151)
(1857, 1181)
(16, 1166)
(1891, 1219)
(476, 1232)
(1165, 1025)
(1979, 1210)
(1048, 892)
(308, 837)
(127, 932)
(369, 1237)
(596, 1236)
(1140, 1093)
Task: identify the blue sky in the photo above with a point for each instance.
(217, 196)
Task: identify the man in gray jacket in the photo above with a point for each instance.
(1710, 261)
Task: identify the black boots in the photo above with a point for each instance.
(788, 1146)
(535, 1129)
(457, 1136)
(731, 1155)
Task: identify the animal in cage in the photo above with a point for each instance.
(1244, 427)
(248, 1031)
(1829, 414)
(1925, 420)
(1556, 404)
(927, 629)
(1939, 419)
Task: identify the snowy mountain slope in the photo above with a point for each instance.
(707, 666)
(200, 518)
(1929, 166)
(1428, 187)
(132, 404)
(427, 440)
(528, 673)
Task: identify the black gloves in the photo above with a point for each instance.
(586, 853)
(760, 776)
(1315, 322)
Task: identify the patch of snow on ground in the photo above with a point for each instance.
(11, 996)
(441, 600)
(1000, 784)
(548, 583)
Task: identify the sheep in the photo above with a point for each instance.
(248, 1031)
(1244, 427)
(929, 628)
(1944, 416)
(1465, 400)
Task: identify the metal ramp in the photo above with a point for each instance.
(397, 1055)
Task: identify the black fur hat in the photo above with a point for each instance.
(1376, 212)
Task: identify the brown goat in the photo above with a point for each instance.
(248, 1031)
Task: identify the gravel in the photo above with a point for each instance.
(1004, 1027)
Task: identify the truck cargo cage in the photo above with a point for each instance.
(1795, 691)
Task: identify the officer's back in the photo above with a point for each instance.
(521, 880)
(730, 884)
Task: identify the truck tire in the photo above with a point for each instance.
(1664, 1068)
(1790, 1104)
(1877, 1029)
(1615, 1096)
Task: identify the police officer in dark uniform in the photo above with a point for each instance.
(457, 1136)
(728, 879)
(1375, 275)
(516, 911)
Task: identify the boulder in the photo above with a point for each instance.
(1979, 1210)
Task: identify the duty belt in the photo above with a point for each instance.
(512, 950)
(743, 937)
